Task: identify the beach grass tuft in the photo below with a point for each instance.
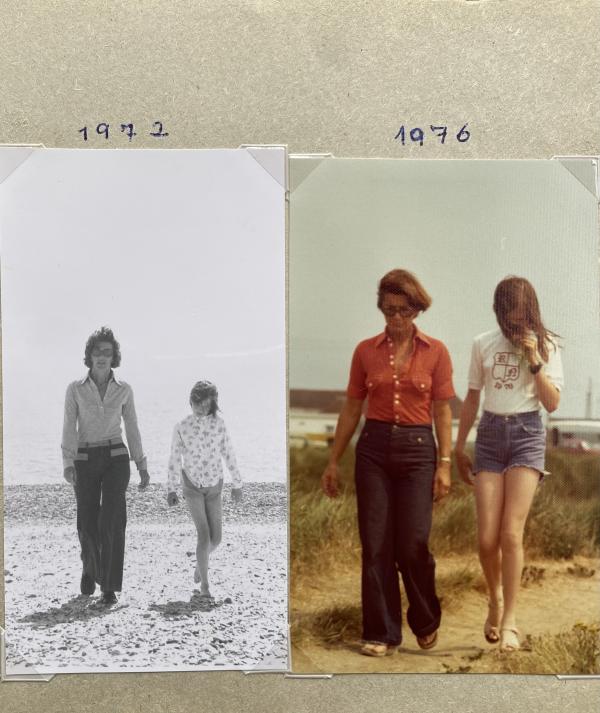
(573, 652)
(564, 519)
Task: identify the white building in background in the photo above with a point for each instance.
(311, 428)
(580, 434)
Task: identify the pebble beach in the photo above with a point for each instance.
(160, 622)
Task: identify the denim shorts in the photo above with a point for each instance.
(505, 442)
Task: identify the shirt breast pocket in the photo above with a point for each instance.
(421, 384)
(372, 383)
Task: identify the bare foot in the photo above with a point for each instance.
(204, 590)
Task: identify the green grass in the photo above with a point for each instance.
(564, 520)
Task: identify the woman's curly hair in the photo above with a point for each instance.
(104, 334)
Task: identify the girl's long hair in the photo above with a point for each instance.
(516, 293)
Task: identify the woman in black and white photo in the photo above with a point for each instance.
(96, 462)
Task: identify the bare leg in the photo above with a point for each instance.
(519, 490)
(197, 509)
(214, 517)
(489, 498)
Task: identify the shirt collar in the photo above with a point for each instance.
(112, 377)
(421, 336)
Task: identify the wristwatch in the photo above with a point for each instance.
(535, 368)
(445, 459)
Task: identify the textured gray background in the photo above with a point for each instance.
(320, 77)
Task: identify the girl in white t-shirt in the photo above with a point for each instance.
(519, 368)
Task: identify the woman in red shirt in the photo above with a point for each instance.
(406, 377)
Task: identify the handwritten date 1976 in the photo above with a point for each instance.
(417, 135)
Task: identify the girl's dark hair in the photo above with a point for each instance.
(205, 390)
(517, 294)
(104, 334)
(402, 282)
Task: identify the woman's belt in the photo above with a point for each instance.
(102, 444)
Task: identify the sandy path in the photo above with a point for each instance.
(160, 622)
(554, 604)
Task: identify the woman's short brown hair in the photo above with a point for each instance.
(402, 282)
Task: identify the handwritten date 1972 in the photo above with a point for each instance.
(107, 130)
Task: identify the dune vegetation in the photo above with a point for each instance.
(564, 520)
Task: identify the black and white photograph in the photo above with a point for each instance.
(144, 409)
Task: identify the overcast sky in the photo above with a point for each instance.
(182, 253)
(460, 226)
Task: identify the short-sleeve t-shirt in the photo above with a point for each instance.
(403, 397)
(499, 367)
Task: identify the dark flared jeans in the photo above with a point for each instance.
(395, 467)
(102, 476)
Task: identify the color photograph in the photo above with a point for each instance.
(444, 416)
(144, 405)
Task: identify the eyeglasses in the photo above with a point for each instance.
(102, 352)
(390, 311)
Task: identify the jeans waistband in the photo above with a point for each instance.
(509, 416)
(389, 426)
(102, 444)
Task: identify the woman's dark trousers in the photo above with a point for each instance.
(100, 485)
(395, 467)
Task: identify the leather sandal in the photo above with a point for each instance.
(428, 643)
(509, 639)
(492, 631)
(377, 649)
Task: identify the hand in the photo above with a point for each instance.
(441, 481)
(69, 474)
(464, 465)
(144, 480)
(330, 481)
(529, 344)
(172, 498)
(237, 495)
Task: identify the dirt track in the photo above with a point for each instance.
(554, 603)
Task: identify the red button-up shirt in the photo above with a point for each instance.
(401, 396)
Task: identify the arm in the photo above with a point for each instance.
(134, 440)
(468, 414)
(442, 420)
(174, 470)
(547, 392)
(346, 425)
(69, 435)
(231, 462)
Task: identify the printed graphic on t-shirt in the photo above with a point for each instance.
(506, 369)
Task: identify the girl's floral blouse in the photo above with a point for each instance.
(198, 447)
